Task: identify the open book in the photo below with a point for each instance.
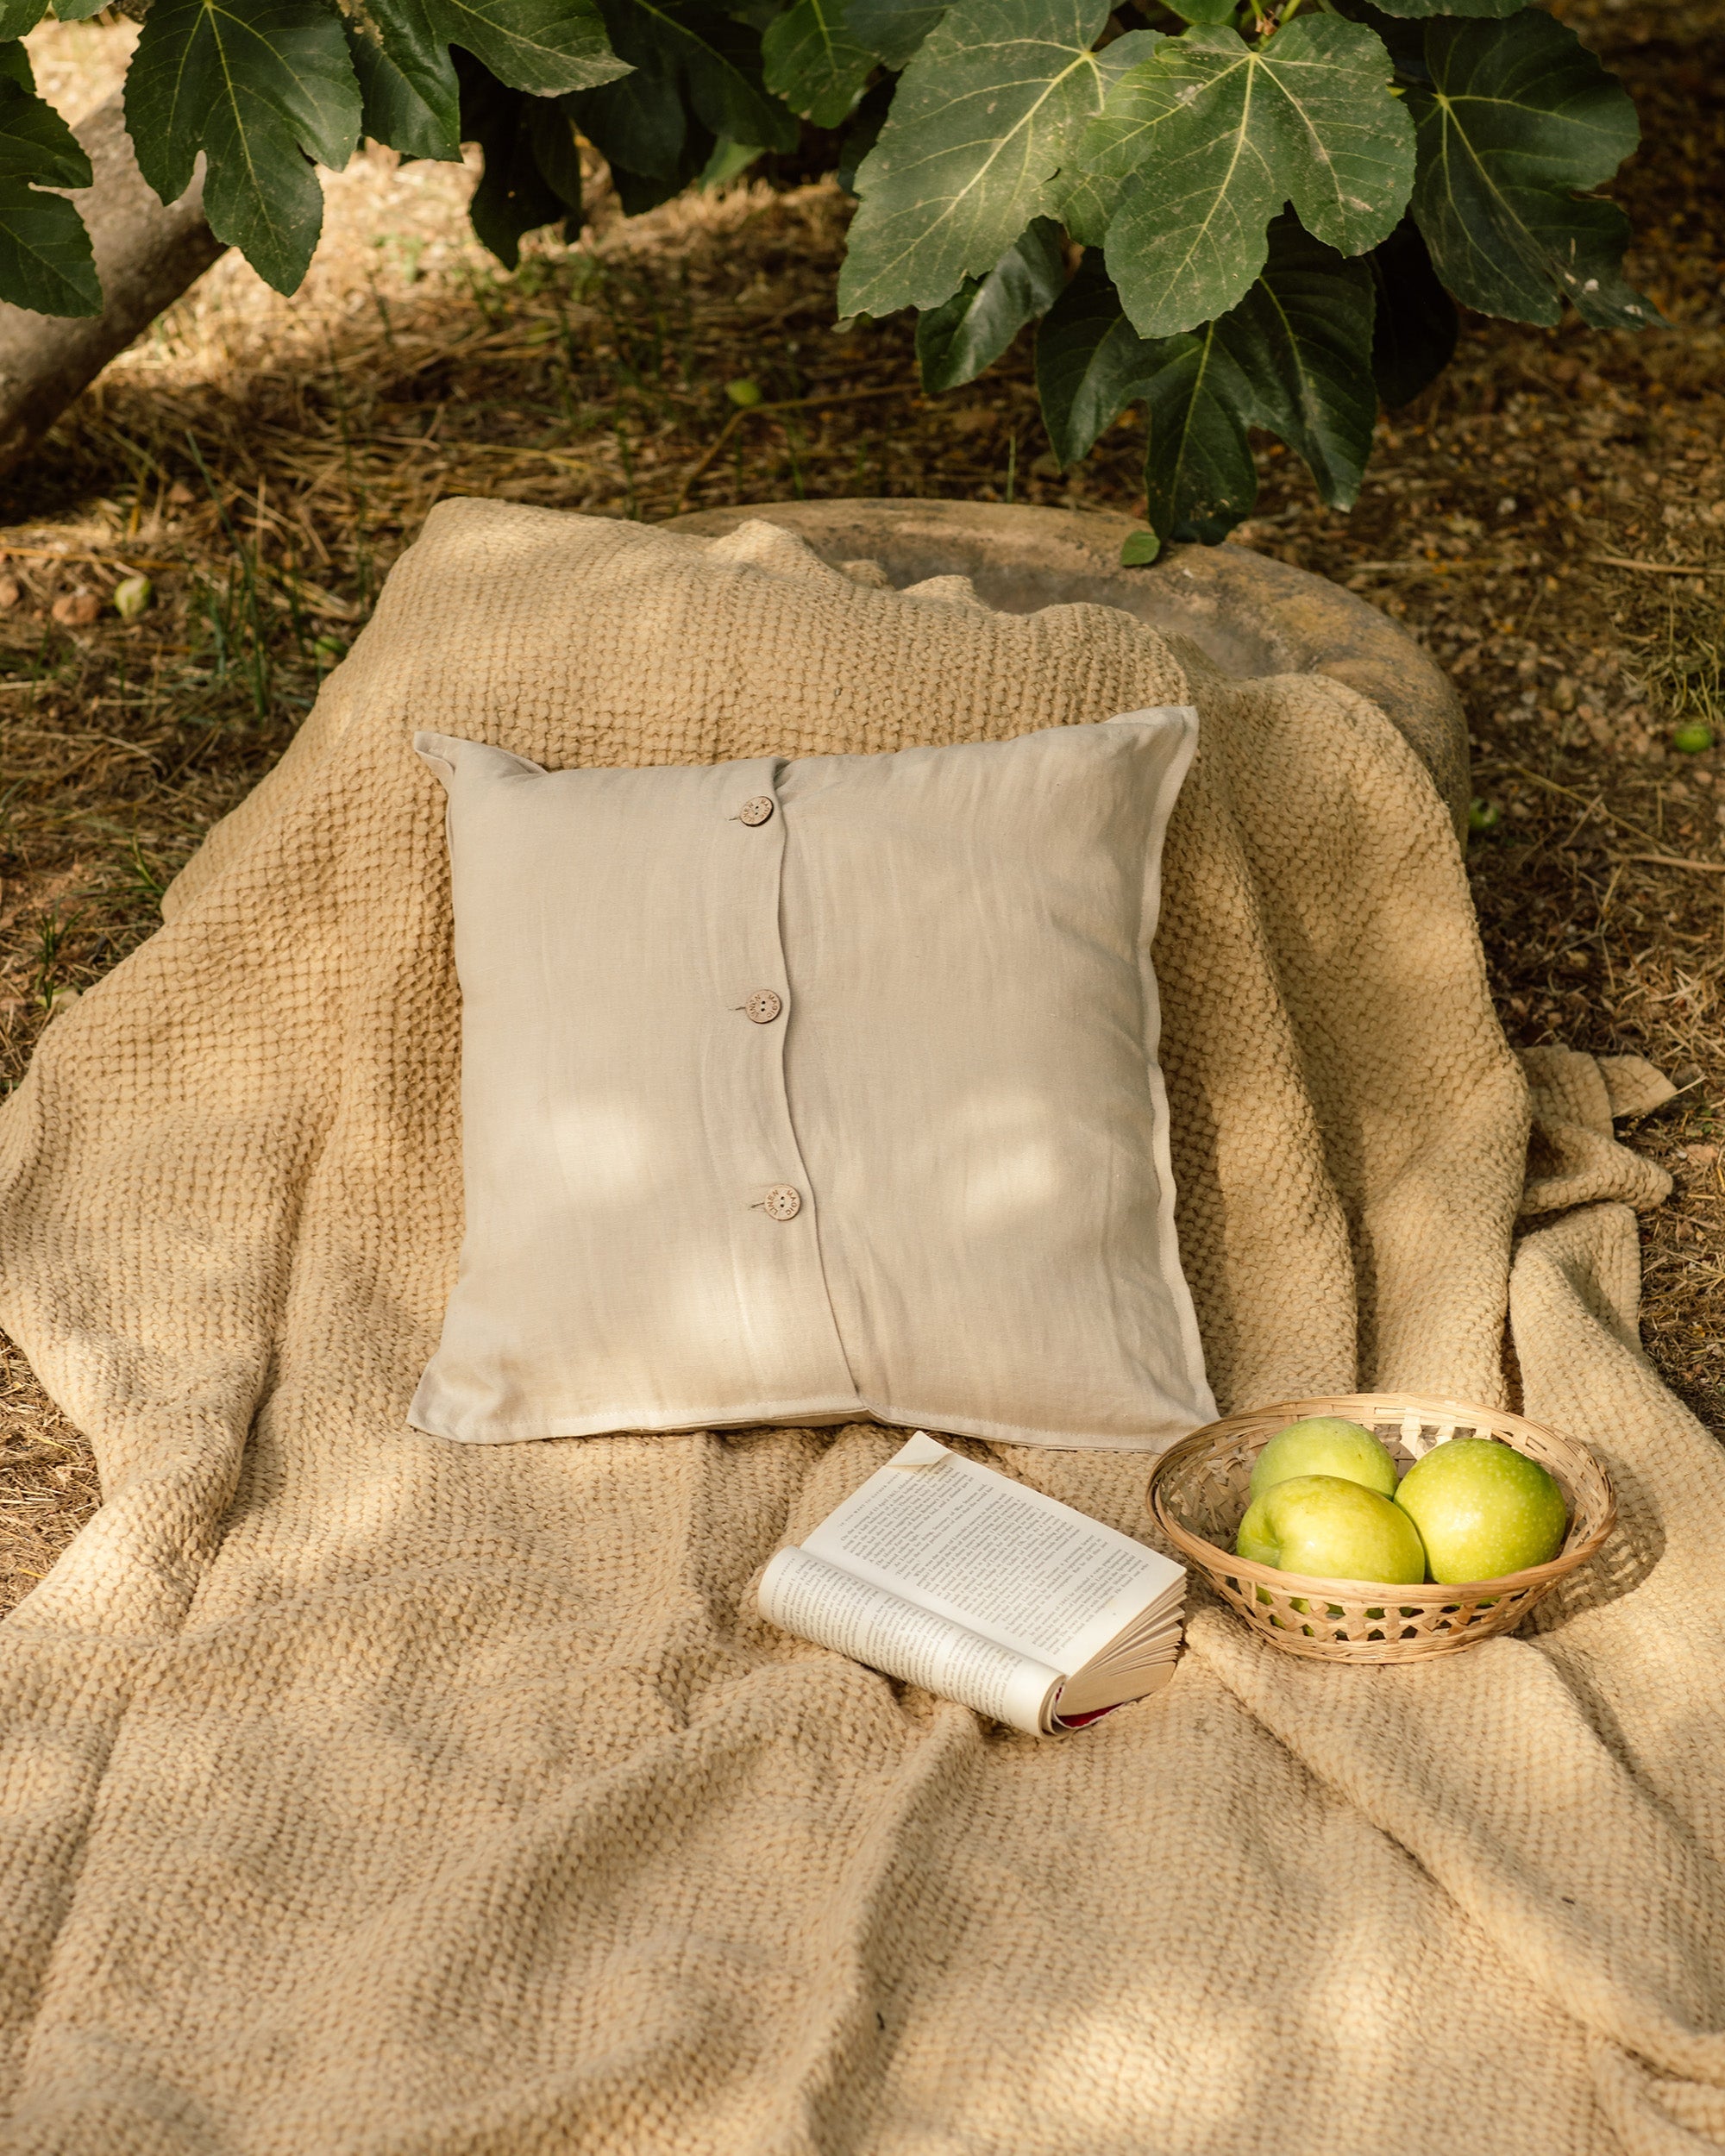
(961, 1579)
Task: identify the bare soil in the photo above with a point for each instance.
(1549, 520)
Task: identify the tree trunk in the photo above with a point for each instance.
(145, 255)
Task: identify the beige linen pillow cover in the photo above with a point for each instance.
(796, 1090)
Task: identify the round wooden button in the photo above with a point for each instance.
(783, 1203)
(763, 1007)
(756, 809)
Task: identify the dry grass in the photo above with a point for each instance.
(265, 461)
(48, 1478)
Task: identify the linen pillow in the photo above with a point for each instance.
(796, 1090)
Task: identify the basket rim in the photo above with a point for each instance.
(1504, 1584)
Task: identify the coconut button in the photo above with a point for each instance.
(763, 1007)
(782, 1203)
(756, 809)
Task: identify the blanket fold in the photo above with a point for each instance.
(1573, 1156)
(363, 1795)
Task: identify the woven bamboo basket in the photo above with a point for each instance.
(1198, 1494)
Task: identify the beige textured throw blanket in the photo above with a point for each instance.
(365, 1794)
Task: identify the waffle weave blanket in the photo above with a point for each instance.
(367, 1794)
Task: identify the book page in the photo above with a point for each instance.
(1007, 1563)
(814, 1600)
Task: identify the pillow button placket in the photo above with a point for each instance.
(764, 1017)
(783, 1201)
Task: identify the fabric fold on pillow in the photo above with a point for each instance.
(807, 1089)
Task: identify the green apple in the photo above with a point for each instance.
(1483, 1509)
(1324, 1445)
(1332, 1529)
